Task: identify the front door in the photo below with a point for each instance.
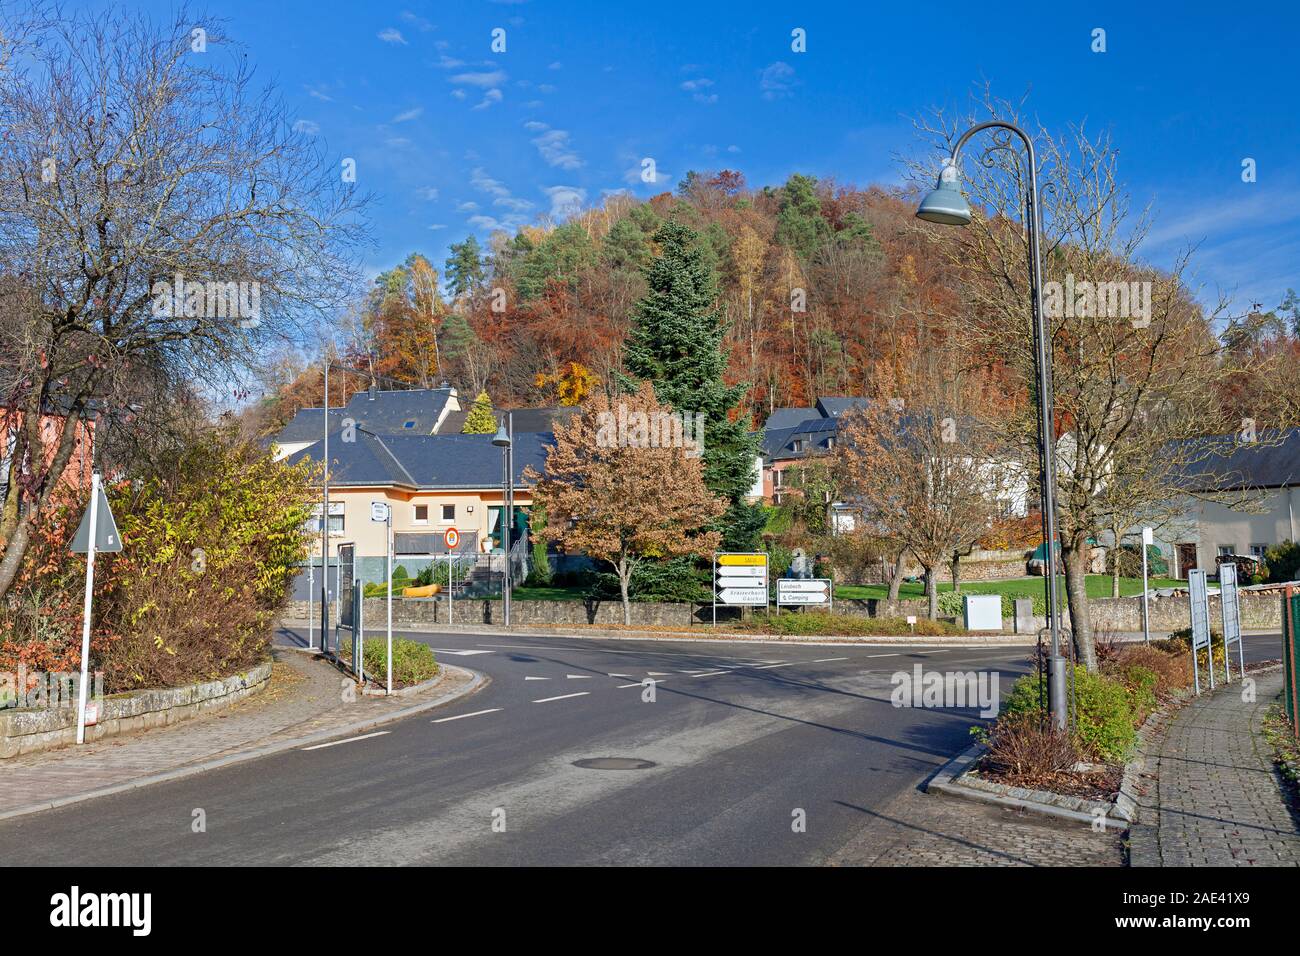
(1186, 559)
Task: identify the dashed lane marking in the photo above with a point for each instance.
(578, 676)
(349, 740)
(477, 713)
(547, 700)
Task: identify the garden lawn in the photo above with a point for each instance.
(1099, 586)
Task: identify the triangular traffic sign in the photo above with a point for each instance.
(106, 536)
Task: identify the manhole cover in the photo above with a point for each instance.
(613, 763)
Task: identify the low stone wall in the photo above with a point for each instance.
(1260, 611)
(415, 611)
(23, 731)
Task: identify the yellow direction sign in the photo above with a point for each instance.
(742, 560)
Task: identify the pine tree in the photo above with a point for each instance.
(676, 343)
(480, 420)
(465, 273)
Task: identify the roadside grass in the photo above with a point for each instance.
(814, 623)
(1099, 586)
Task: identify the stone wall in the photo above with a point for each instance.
(1260, 611)
(23, 731)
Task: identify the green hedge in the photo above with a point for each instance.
(413, 662)
(1104, 711)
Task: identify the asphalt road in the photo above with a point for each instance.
(740, 737)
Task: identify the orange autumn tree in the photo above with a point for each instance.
(613, 490)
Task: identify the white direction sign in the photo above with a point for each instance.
(803, 591)
(743, 571)
(727, 581)
(743, 596)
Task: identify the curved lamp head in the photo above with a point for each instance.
(501, 439)
(945, 203)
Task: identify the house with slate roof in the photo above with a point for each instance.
(405, 448)
(1269, 470)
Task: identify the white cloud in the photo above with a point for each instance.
(416, 21)
(556, 150)
(481, 181)
(392, 35)
(488, 79)
(700, 84)
(777, 80)
(429, 193)
(565, 200)
(439, 225)
(449, 62)
(306, 126)
(535, 126)
(408, 115)
(469, 206)
(557, 65)
(633, 176)
(513, 203)
(489, 98)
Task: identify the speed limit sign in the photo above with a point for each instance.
(451, 538)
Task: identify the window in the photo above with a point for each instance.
(1257, 550)
(337, 515)
(1227, 549)
(410, 424)
(448, 512)
(421, 514)
(777, 481)
(796, 445)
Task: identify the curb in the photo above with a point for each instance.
(477, 682)
(948, 780)
(818, 640)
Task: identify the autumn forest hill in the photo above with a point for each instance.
(824, 289)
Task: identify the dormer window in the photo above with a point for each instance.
(410, 424)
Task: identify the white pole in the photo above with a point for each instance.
(1148, 537)
(1146, 616)
(451, 589)
(389, 526)
(311, 583)
(85, 623)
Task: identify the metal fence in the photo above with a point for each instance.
(1291, 653)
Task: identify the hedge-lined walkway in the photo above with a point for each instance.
(1215, 798)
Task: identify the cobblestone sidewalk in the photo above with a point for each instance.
(920, 829)
(1214, 797)
(304, 699)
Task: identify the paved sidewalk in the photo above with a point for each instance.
(304, 699)
(1214, 797)
(920, 829)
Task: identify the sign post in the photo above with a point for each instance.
(311, 583)
(1148, 538)
(739, 579)
(1200, 609)
(383, 511)
(97, 532)
(451, 538)
(1230, 610)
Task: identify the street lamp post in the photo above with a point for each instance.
(325, 527)
(504, 439)
(947, 205)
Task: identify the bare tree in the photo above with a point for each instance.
(160, 219)
(1136, 364)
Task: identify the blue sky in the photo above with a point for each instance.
(453, 138)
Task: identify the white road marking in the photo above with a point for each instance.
(578, 676)
(658, 673)
(653, 680)
(335, 743)
(624, 676)
(711, 674)
(547, 700)
(762, 667)
(536, 678)
(477, 713)
(824, 660)
(882, 655)
(448, 650)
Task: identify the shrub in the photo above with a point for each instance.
(1103, 712)
(1130, 561)
(822, 622)
(1173, 670)
(1025, 746)
(413, 662)
(1140, 682)
(210, 541)
(1283, 562)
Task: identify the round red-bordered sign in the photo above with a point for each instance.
(451, 538)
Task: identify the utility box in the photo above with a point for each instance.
(983, 612)
(1025, 616)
